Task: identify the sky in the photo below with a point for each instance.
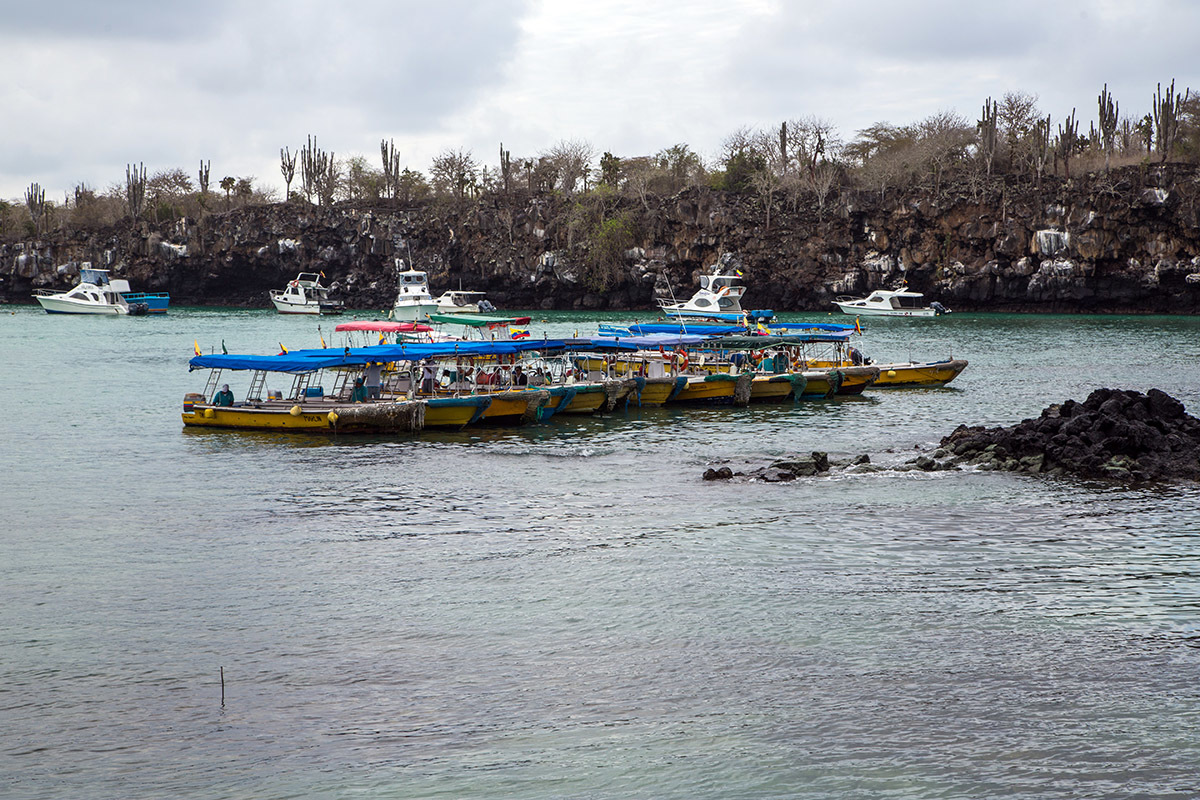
(90, 87)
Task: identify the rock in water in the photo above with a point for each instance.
(1116, 434)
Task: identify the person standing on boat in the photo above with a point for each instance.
(374, 381)
(427, 374)
(519, 378)
(359, 395)
(223, 397)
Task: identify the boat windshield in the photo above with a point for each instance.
(98, 277)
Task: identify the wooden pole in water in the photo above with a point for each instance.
(222, 687)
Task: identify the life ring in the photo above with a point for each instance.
(682, 362)
(294, 284)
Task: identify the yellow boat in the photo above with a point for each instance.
(934, 373)
(579, 398)
(767, 388)
(406, 416)
(717, 389)
(838, 381)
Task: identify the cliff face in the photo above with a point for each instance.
(1125, 242)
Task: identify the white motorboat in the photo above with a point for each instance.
(413, 303)
(460, 302)
(95, 293)
(719, 297)
(890, 303)
(305, 295)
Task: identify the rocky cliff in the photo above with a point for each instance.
(1124, 242)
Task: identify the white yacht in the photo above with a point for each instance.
(413, 300)
(305, 295)
(719, 297)
(460, 302)
(95, 293)
(890, 303)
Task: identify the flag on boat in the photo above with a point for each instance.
(519, 333)
(382, 340)
(323, 345)
(737, 272)
(196, 346)
(857, 328)
(763, 330)
(282, 350)
(224, 352)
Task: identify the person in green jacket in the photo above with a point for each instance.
(223, 397)
(359, 395)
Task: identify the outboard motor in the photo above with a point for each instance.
(938, 308)
(139, 309)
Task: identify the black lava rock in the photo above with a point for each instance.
(1115, 434)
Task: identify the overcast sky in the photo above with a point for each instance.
(89, 87)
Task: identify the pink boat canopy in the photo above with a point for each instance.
(384, 327)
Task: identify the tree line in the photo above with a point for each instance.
(804, 162)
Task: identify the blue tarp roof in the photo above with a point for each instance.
(656, 340)
(296, 361)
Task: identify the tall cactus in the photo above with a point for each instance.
(135, 189)
(1068, 141)
(506, 167)
(205, 171)
(391, 167)
(1041, 146)
(35, 199)
(317, 172)
(1109, 116)
(987, 133)
(287, 166)
(1166, 118)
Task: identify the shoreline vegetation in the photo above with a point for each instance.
(1007, 213)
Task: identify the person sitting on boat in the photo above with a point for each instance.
(223, 397)
(857, 358)
(519, 378)
(359, 395)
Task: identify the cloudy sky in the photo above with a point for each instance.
(90, 87)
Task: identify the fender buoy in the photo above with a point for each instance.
(332, 416)
(294, 411)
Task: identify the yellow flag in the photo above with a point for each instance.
(196, 346)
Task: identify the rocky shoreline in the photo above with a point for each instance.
(1122, 242)
(1114, 435)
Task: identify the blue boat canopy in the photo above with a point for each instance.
(297, 361)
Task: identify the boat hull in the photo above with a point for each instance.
(312, 309)
(580, 398)
(401, 417)
(937, 373)
(771, 388)
(866, 311)
(413, 312)
(155, 302)
(853, 380)
(706, 390)
(56, 305)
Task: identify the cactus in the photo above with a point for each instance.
(205, 170)
(35, 199)
(987, 133)
(391, 167)
(1109, 116)
(287, 166)
(1166, 118)
(1067, 142)
(135, 188)
(318, 172)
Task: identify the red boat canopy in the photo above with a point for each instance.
(384, 327)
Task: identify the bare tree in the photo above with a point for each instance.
(571, 160)
(287, 166)
(453, 172)
(943, 139)
(135, 188)
(1017, 115)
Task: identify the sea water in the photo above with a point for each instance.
(567, 609)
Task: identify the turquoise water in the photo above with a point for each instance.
(567, 610)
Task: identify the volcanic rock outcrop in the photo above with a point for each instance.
(1114, 434)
